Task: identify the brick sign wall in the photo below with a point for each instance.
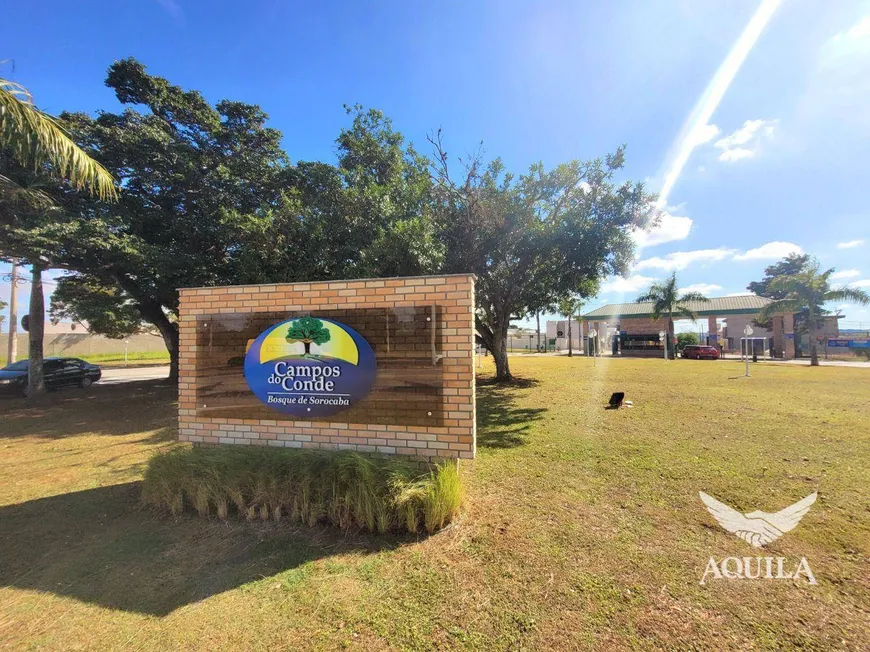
(420, 329)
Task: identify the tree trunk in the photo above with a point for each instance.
(170, 338)
(672, 354)
(570, 351)
(169, 332)
(499, 354)
(35, 375)
(494, 338)
(307, 347)
(814, 345)
(538, 320)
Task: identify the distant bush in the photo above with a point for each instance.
(340, 488)
(686, 339)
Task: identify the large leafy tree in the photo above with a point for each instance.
(807, 291)
(105, 308)
(534, 239)
(368, 216)
(668, 302)
(36, 154)
(791, 264)
(197, 180)
(386, 227)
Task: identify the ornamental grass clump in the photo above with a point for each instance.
(344, 489)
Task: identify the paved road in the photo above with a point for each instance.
(115, 376)
(825, 363)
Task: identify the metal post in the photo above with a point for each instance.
(592, 335)
(126, 342)
(663, 336)
(747, 332)
(12, 347)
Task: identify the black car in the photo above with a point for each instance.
(59, 372)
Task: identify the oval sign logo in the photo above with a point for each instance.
(310, 367)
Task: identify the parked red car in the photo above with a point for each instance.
(699, 351)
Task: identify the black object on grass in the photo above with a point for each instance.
(616, 400)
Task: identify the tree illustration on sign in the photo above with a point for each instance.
(308, 330)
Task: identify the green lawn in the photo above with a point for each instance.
(582, 529)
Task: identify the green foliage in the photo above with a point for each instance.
(308, 330)
(535, 239)
(343, 489)
(106, 309)
(686, 339)
(568, 307)
(188, 170)
(210, 198)
(791, 264)
(806, 292)
(37, 141)
(3, 305)
(667, 301)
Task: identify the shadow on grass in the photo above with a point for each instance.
(500, 423)
(100, 546)
(118, 409)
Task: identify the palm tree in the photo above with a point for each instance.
(568, 306)
(808, 291)
(667, 301)
(36, 141)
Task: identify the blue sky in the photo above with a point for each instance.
(750, 116)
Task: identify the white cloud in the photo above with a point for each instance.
(682, 259)
(770, 251)
(846, 273)
(851, 244)
(863, 283)
(745, 293)
(632, 284)
(849, 43)
(704, 134)
(844, 306)
(732, 155)
(703, 288)
(745, 141)
(670, 228)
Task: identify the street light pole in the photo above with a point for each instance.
(12, 346)
(593, 334)
(747, 332)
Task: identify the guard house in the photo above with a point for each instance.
(638, 333)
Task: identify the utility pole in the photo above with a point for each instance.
(12, 348)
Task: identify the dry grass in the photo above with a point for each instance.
(583, 527)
